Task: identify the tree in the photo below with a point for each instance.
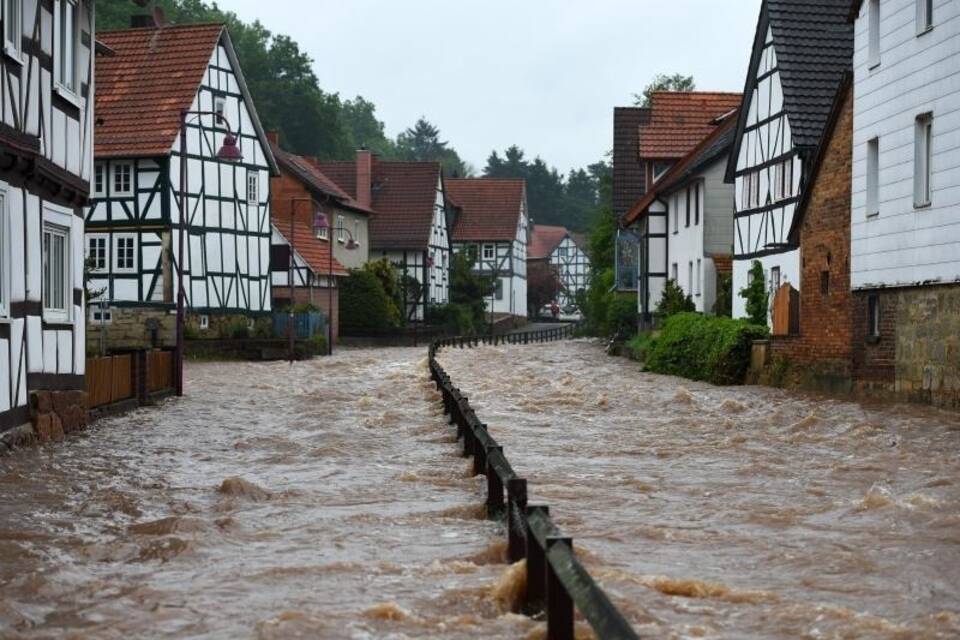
(468, 288)
(664, 82)
(674, 301)
(755, 293)
(724, 303)
(364, 130)
(421, 143)
(543, 285)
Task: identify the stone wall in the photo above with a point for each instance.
(928, 345)
(53, 415)
(134, 328)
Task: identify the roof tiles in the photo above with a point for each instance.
(316, 252)
(544, 239)
(680, 120)
(490, 207)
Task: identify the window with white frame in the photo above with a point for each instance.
(873, 29)
(873, 177)
(561, 252)
(674, 272)
(924, 16)
(775, 278)
(4, 258)
(204, 323)
(253, 187)
(489, 251)
(13, 27)
(750, 195)
(783, 180)
(66, 32)
(676, 213)
(689, 290)
(341, 229)
(498, 293)
(99, 180)
(922, 161)
(122, 179)
(97, 251)
(321, 232)
(696, 204)
(697, 276)
(688, 199)
(219, 105)
(56, 273)
(124, 252)
(100, 315)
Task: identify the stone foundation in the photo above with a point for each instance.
(53, 415)
(134, 328)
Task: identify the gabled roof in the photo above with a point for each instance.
(813, 40)
(715, 146)
(490, 208)
(679, 120)
(147, 79)
(314, 251)
(404, 195)
(544, 239)
(629, 181)
(309, 174)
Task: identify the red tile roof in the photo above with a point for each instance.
(679, 120)
(309, 174)
(544, 239)
(489, 207)
(315, 251)
(141, 89)
(404, 195)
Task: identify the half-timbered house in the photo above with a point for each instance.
(685, 223)
(491, 221)
(410, 225)
(566, 254)
(45, 168)
(146, 78)
(800, 51)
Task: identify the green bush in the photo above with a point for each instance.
(755, 294)
(597, 300)
(710, 348)
(673, 301)
(638, 345)
(389, 278)
(364, 304)
(318, 344)
(237, 329)
(724, 303)
(455, 318)
(622, 316)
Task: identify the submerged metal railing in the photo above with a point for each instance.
(556, 581)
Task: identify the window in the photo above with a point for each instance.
(922, 160)
(697, 276)
(924, 16)
(489, 251)
(696, 204)
(873, 44)
(13, 27)
(67, 37)
(253, 187)
(499, 289)
(4, 260)
(689, 278)
(122, 179)
(824, 282)
(676, 214)
(751, 190)
(674, 272)
(873, 177)
(660, 168)
(688, 207)
(783, 180)
(561, 252)
(356, 231)
(100, 315)
(775, 278)
(125, 252)
(204, 323)
(56, 273)
(873, 316)
(99, 179)
(341, 232)
(97, 251)
(321, 233)
(219, 104)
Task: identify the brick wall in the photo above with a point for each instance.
(826, 314)
(875, 358)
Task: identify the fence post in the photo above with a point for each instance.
(536, 566)
(480, 453)
(516, 506)
(494, 486)
(559, 604)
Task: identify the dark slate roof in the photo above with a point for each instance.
(628, 178)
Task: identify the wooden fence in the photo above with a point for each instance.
(159, 371)
(556, 581)
(128, 376)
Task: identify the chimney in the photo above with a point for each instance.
(274, 136)
(364, 177)
(141, 21)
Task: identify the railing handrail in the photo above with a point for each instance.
(556, 581)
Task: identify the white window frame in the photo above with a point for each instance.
(13, 48)
(498, 288)
(99, 237)
(924, 16)
(5, 265)
(100, 168)
(219, 105)
(253, 187)
(341, 229)
(204, 322)
(57, 222)
(322, 233)
(698, 277)
(775, 278)
(493, 252)
(873, 33)
(114, 172)
(873, 177)
(117, 239)
(98, 315)
(58, 53)
(675, 273)
(922, 160)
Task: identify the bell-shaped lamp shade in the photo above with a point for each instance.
(229, 152)
(351, 244)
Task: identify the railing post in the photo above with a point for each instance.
(494, 486)
(480, 453)
(516, 506)
(559, 603)
(536, 566)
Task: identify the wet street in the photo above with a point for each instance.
(329, 501)
(732, 512)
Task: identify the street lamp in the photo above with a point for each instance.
(294, 200)
(320, 221)
(229, 152)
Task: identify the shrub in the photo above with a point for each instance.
(597, 300)
(236, 329)
(724, 303)
(364, 304)
(710, 348)
(318, 344)
(673, 301)
(622, 316)
(638, 345)
(455, 318)
(389, 278)
(755, 294)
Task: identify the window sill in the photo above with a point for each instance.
(67, 94)
(132, 271)
(925, 30)
(873, 64)
(921, 205)
(873, 215)
(5, 318)
(873, 339)
(13, 55)
(121, 194)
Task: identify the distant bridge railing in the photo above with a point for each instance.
(556, 581)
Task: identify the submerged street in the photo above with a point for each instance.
(329, 500)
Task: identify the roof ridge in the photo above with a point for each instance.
(166, 27)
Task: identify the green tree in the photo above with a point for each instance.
(364, 129)
(723, 306)
(674, 300)
(363, 302)
(664, 82)
(384, 271)
(755, 293)
(467, 287)
(422, 143)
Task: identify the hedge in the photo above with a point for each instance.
(363, 302)
(711, 348)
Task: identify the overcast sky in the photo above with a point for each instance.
(542, 74)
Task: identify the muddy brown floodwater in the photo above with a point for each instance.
(739, 512)
(323, 501)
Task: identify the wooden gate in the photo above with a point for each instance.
(109, 380)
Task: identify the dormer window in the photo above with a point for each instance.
(66, 35)
(13, 27)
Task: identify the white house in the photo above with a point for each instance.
(800, 50)
(46, 157)
(492, 222)
(566, 255)
(685, 222)
(146, 77)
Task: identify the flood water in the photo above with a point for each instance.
(323, 501)
(739, 512)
